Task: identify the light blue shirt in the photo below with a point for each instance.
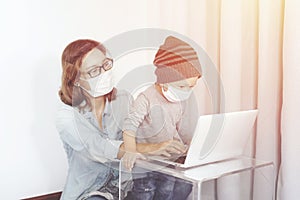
(91, 150)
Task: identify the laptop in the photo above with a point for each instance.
(216, 137)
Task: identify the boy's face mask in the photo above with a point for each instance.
(174, 94)
(100, 85)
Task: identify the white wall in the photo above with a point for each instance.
(33, 35)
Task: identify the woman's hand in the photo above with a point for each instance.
(169, 147)
(129, 159)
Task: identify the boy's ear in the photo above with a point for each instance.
(164, 87)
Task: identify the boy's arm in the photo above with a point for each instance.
(130, 155)
(136, 115)
(188, 122)
(144, 148)
(162, 148)
(129, 141)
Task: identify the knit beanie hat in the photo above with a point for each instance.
(176, 60)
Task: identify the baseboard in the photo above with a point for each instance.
(52, 196)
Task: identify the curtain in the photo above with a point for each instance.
(289, 181)
(254, 45)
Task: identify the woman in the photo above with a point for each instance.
(89, 122)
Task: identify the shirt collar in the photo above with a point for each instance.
(107, 109)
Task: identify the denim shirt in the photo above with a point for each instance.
(91, 150)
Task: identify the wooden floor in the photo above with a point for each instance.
(52, 196)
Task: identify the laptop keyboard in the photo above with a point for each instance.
(181, 159)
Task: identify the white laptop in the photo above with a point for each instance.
(217, 137)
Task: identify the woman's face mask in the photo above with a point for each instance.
(100, 85)
(174, 94)
(99, 79)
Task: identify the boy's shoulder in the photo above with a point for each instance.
(122, 95)
(149, 91)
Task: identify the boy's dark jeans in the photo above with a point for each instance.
(158, 186)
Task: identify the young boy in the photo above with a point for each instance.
(156, 116)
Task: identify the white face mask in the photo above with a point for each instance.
(100, 85)
(175, 95)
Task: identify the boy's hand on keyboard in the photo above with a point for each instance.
(170, 147)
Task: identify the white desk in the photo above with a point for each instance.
(200, 174)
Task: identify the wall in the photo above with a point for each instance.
(33, 35)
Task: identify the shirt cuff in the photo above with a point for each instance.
(112, 148)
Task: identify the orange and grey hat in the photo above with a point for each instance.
(176, 60)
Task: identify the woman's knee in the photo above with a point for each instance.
(96, 198)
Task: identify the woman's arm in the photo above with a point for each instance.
(83, 137)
